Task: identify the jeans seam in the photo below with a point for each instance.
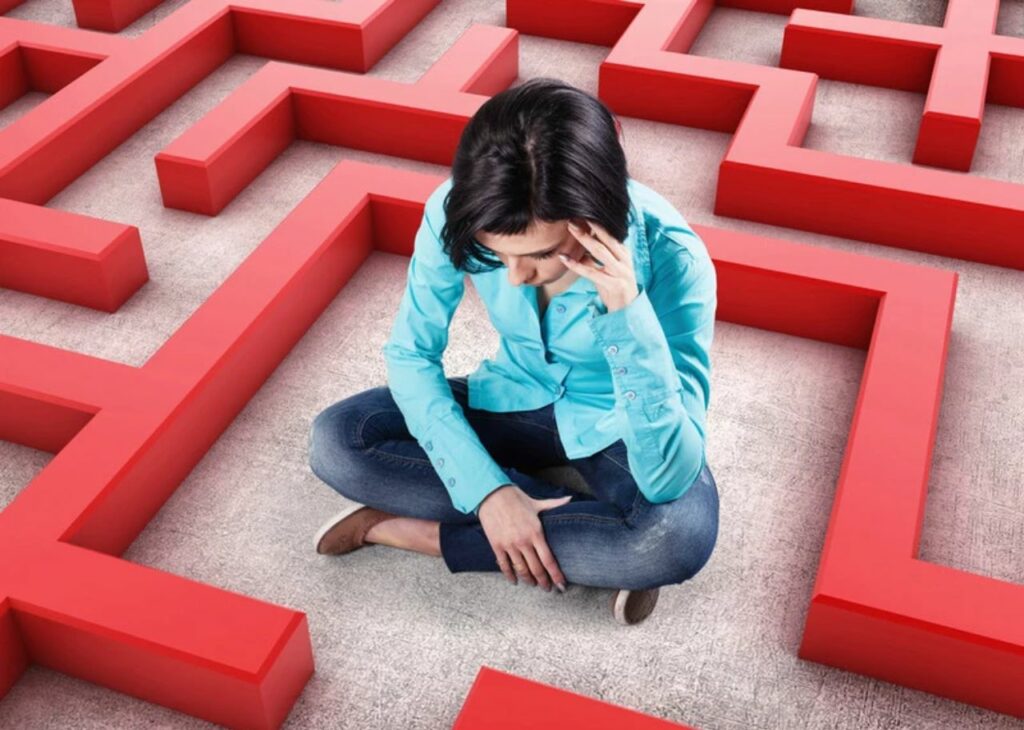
(385, 456)
(610, 458)
(636, 501)
(559, 449)
(586, 518)
(639, 493)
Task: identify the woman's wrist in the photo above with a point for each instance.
(491, 496)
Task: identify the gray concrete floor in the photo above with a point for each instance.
(397, 639)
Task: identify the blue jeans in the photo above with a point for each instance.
(615, 538)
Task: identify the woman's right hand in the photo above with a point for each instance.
(509, 518)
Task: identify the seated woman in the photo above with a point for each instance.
(604, 299)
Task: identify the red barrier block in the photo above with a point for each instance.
(47, 149)
(121, 84)
(106, 15)
(951, 64)
(52, 253)
(210, 163)
(111, 15)
(502, 701)
(369, 20)
(125, 437)
(876, 608)
(25, 66)
(766, 176)
(70, 257)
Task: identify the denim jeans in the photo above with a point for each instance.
(613, 538)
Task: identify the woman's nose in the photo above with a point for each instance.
(517, 273)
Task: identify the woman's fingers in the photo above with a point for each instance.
(505, 563)
(537, 570)
(616, 247)
(520, 565)
(594, 273)
(595, 245)
(550, 564)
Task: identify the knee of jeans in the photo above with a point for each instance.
(700, 546)
(689, 543)
(332, 434)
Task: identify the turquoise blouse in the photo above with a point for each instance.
(640, 373)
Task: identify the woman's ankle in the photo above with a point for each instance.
(407, 533)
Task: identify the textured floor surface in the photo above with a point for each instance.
(397, 639)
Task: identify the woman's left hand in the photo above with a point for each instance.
(615, 279)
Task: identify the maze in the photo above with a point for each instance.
(124, 437)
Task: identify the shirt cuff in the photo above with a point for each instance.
(464, 466)
(635, 346)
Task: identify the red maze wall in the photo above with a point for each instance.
(124, 437)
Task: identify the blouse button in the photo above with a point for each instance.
(440, 462)
(612, 349)
(620, 371)
(451, 481)
(560, 308)
(630, 394)
(429, 445)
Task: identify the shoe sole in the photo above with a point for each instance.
(326, 527)
(648, 602)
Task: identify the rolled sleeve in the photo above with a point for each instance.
(416, 378)
(463, 464)
(657, 348)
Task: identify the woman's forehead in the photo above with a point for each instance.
(539, 237)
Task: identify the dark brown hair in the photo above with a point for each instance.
(540, 150)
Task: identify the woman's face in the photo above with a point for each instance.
(532, 257)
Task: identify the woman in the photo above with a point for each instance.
(604, 298)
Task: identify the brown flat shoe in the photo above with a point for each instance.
(632, 607)
(346, 531)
